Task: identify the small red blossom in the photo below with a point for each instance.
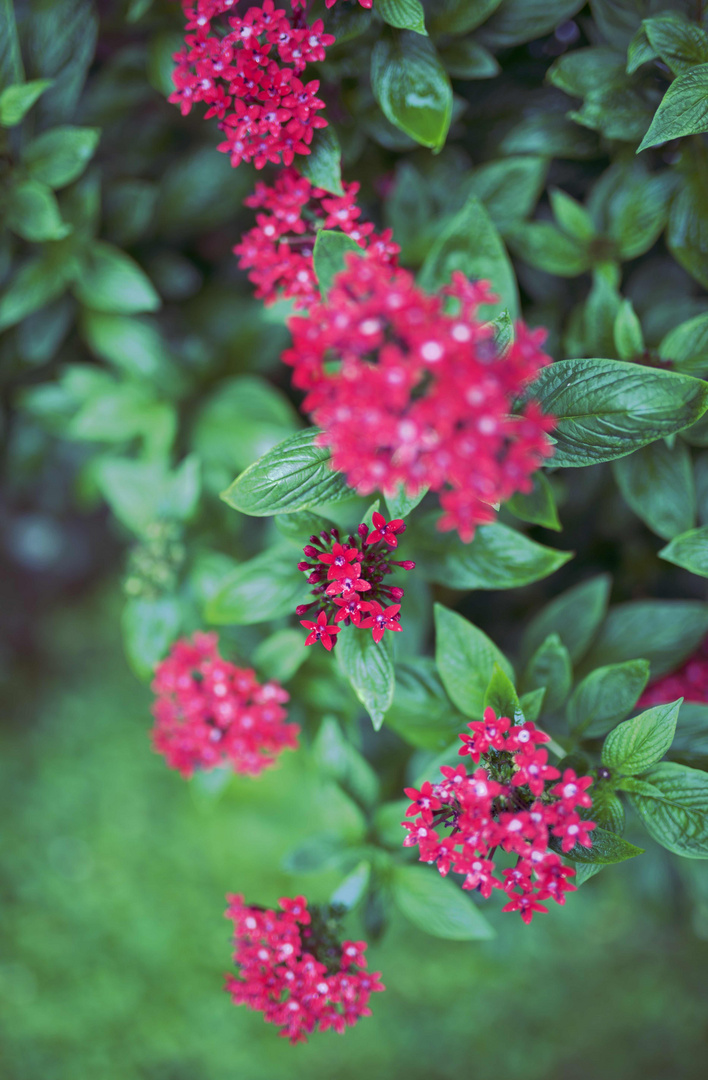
(340, 572)
(505, 803)
(411, 392)
(290, 968)
(208, 712)
(385, 530)
(320, 631)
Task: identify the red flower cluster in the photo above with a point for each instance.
(506, 805)
(265, 111)
(278, 250)
(293, 968)
(690, 681)
(209, 712)
(341, 573)
(408, 392)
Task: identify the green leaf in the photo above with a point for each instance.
(680, 44)
(33, 212)
(134, 345)
(677, 816)
(471, 243)
(538, 506)
(575, 616)
(16, 101)
(639, 51)
(294, 475)
(242, 419)
(467, 59)
(401, 504)
(549, 668)
(336, 758)
(323, 165)
(299, 526)
(460, 16)
(630, 206)
(352, 889)
(59, 156)
(141, 492)
(436, 906)
(111, 281)
(664, 632)
(642, 741)
(509, 188)
(657, 482)
(689, 550)
(281, 655)
(265, 587)
(571, 216)
(501, 696)
(149, 628)
(687, 234)
(686, 344)
(606, 696)
(690, 745)
(318, 852)
(331, 247)
(368, 666)
(497, 558)
(607, 848)
(607, 807)
(11, 70)
(683, 109)
(37, 282)
(421, 712)
(605, 409)
(465, 658)
(627, 332)
(518, 21)
(542, 245)
(412, 87)
(532, 703)
(580, 71)
(403, 14)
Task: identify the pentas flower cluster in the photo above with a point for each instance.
(690, 682)
(410, 388)
(349, 581)
(278, 251)
(246, 72)
(293, 968)
(515, 802)
(209, 712)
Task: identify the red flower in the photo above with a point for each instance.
(379, 619)
(320, 631)
(290, 968)
(505, 803)
(208, 712)
(384, 530)
(339, 560)
(410, 393)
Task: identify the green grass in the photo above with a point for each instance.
(114, 875)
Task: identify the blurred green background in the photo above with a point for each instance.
(114, 946)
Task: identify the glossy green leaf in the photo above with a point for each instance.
(501, 696)
(467, 59)
(606, 696)
(538, 506)
(149, 629)
(607, 848)
(436, 906)
(605, 409)
(59, 156)
(336, 758)
(575, 616)
(639, 743)
(460, 16)
(265, 587)
(497, 558)
(549, 667)
(465, 658)
(421, 712)
(683, 109)
(331, 247)
(294, 475)
(368, 665)
(664, 632)
(518, 21)
(676, 813)
(470, 243)
(403, 14)
(111, 281)
(542, 245)
(627, 332)
(412, 87)
(680, 44)
(657, 482)
(33, 212)
(323, 165)
(689, 550)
